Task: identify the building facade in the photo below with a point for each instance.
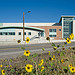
(56, 31)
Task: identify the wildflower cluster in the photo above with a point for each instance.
(50, 64)
(68, 40)
(72, 69)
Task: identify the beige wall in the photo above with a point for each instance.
(18, 37)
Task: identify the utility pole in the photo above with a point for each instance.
(23, 27)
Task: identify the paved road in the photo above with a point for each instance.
(15, 50)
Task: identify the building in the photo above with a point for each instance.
(56, 31)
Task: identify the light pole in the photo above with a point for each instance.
(23, 24)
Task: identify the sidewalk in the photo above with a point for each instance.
(31, 42)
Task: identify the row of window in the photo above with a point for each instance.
(53, 30)
(7, 33)
(13, 33)
(29, 33)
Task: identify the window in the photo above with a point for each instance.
(52, 35)
(10, 33)
(29, 33)
(42, 34)
(24, 33)
(38, 34)
(59, 29)
(13, 33)
(0, 33)
(52, 30)
(19, 33)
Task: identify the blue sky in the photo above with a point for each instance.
(42, 11)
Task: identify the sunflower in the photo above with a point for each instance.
(19, 41)
(53, 57)
(48, 52)
(21, 73)
(10, 66)
(27, 53)
(71, 36)
(27, 40)
(3, 72)
(72, 69)
(69, 47)
(7, 66)
(68, 40)
(42, 68)
(0, 65)
(55, 47)
(41, 62)
(50, 58)
(62, 61)
(70, 65)
(29, 68)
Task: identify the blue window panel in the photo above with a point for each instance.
(42, 34)
(29, 33)
(24, 33)
(19, 33)
(59, 29)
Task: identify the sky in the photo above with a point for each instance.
(42, 11)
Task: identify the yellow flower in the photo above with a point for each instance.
(21, 73)
(3, 72)
(10, 66)
(42, 68)
(48, 52)
(53, 57)
(41, 62)
(68, 40)
(27, 40)
(55, 48)
(19, 41)
(6, 65)
(70, 65)
(0, 65)
(71, 36)
(72, 69)
(62, 61)
(27, 53)
(29, 68)
(50, 58)
(69, 47)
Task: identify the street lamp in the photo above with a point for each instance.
(23, 23)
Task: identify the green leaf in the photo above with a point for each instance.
(62, 54)
(35, 55)
(73, 56)
(10, 60)
(29, 57)
(51, 64)
(53, 44)
(12, 71)
(43, 49)
(64, 67)
(23, 48)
